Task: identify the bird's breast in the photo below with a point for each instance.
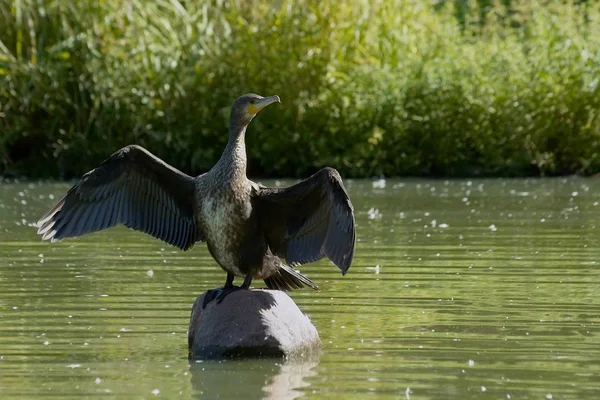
(223, 219)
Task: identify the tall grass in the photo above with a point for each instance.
(395, 87)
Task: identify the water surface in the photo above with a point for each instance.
(460, 289)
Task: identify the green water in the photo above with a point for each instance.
(484, 289)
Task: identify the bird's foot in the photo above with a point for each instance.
(218, 294)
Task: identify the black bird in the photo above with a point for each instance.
(249, 229)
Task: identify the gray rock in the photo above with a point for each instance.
(250, 323)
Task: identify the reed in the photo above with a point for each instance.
(397, 87)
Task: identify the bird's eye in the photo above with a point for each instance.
(253, 101)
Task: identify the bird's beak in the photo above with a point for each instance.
(253, 109)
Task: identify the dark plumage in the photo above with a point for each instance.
(249, 229)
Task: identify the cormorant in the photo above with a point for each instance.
(251, 230)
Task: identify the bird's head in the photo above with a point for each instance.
(247, 106)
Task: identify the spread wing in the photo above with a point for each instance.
(132, 187)
(310, 220)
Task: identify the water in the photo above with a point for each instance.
(461, 289)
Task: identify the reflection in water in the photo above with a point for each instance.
(251, 379)
(292, 376)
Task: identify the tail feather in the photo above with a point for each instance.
(287, 278)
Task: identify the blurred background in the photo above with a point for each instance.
(372, 88)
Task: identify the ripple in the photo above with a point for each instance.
(428, 309)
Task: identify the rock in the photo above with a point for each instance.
(250, 323)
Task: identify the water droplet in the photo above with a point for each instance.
(379, 184)
(374, 213)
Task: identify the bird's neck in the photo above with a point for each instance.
(234, 157)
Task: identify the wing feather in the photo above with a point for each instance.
(132, 187)
(154, 208)
(310, 220)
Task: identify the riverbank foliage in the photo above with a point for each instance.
(398, 87)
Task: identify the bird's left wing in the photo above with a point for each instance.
(309, 220)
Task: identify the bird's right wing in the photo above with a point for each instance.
(132, 187)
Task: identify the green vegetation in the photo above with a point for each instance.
(369, 87)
